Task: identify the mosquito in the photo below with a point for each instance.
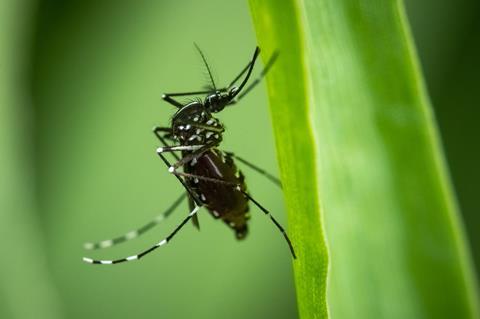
(209, 175)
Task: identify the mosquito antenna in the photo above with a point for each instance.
(206, 64)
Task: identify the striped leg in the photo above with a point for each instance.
(273, 220)
(164, 133)
(176, 148)
(135, 233)
(157, 131)
(147, 251)
(205, 178)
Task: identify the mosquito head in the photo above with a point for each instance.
(217, 101)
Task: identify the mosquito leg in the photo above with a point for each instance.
(168, 97)
(136, 233)
(259, 170)
(163, 158)
(166, 130)
(159, 129)
(158, 133)
(176, 148)
(273, 220)
(191, 157)
(191, 205)
(147, 251)
(255, 82)
(188, 93)
(205, 178)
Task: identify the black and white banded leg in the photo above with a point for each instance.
(197, 151)
(167, 163)
(136, 233)
(163, 133)
(263, 209)
(147, 251)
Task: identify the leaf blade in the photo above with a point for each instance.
(379, 168)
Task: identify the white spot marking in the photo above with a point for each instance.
(216, 136)
(199, 138)
(215, 213)
(160, 150)
(171, 169)
(106, 262)
(181, 127)
(194, 211)
(210, 122)
(88, 246)
(193, 137)
(88, 260)
(203, 197)
(208, 134)
(106, 243)
(163, 242)
(131, 234)
(132, 257)
(188, 127)
(195, 119)
(193, 162)
(195, 180)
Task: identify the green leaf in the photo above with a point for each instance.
(361, 164)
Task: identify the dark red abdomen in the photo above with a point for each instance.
(223, 201)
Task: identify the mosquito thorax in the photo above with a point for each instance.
(194, 125)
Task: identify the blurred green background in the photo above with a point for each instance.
(81, 85)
